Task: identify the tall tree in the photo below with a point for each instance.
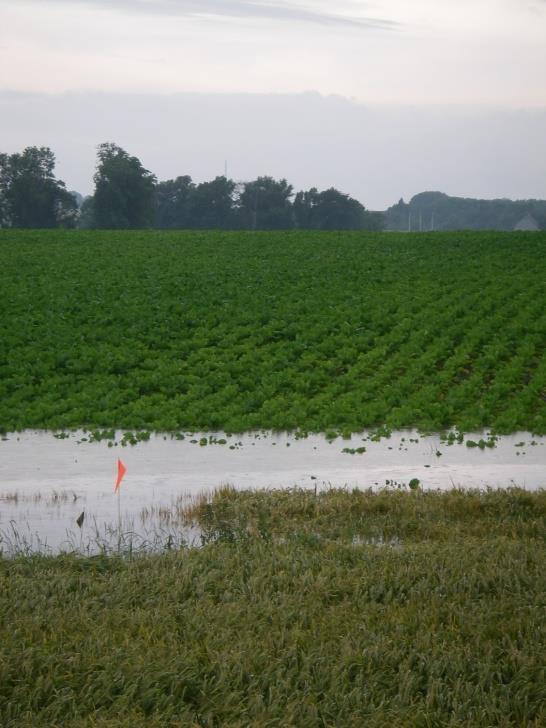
(265, 204)
(173, 202)
(124, 190)
(305, 209)
(30, 195)
(211, 204)
(332, 210)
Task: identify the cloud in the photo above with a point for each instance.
(240, 9)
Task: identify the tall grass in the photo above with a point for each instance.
(289, 617)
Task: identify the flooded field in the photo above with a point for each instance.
(47, 482)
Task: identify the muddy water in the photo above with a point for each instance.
(46, 483)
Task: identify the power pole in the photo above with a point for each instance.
(420, 221)
(409, 221)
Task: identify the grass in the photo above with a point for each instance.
(343, 608)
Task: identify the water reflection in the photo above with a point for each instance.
(47, 482)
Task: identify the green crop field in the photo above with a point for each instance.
(341, 609)
(285, 331)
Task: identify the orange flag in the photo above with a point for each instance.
(121, 472)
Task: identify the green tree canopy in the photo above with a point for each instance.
(265, 204)
(124, 191)
(438, 211)
(212, 204)
(173, 202)
(30, 195)
(332, 210)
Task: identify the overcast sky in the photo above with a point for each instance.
(396, 51)
(481, 56)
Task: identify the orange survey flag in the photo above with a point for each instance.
(121, 472)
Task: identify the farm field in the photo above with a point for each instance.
(342, 609)
(284, 331)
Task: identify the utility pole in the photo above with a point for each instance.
(409, 221)
(225, 169)
(420, 221)
(432, 221)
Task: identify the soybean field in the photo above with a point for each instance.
(298, 331)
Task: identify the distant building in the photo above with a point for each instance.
(527, 222)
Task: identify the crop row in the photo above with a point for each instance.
(237, 331)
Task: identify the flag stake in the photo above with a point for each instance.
(121, 472)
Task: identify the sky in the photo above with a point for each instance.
(422, 62)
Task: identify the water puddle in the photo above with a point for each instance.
(46, 483)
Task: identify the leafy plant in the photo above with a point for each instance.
(304, 331)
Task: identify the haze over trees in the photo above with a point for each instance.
(438, 211)
(332, 210)
(180, 204)
(30, 194)
(128, 196)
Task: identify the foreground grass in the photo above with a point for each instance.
(291, 616)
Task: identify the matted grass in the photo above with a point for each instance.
(340, 609)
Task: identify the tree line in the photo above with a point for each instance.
(128, 196)
(428, 211)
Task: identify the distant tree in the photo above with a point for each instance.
(211, 204)
(124, 191)
(173, 202)
(78, 197)
(333, 210)
(398, 216)
(305, 209)
(5, 216)
(87, 213)
(265, 204)
(30, 195)
(438, 211)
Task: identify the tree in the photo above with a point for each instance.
(5, 216)
(124, 191)
(211, 204)
(265, 204)
(30, 195)
(87, 213)
(332, 210)
(438, 211)
(173, 202)
(337, 211)
(305, 204)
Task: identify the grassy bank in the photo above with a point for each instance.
(341, 609)
(343, 331)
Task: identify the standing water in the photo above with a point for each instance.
(46, 483)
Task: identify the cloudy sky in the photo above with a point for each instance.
(395, 51)
(480, 56)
